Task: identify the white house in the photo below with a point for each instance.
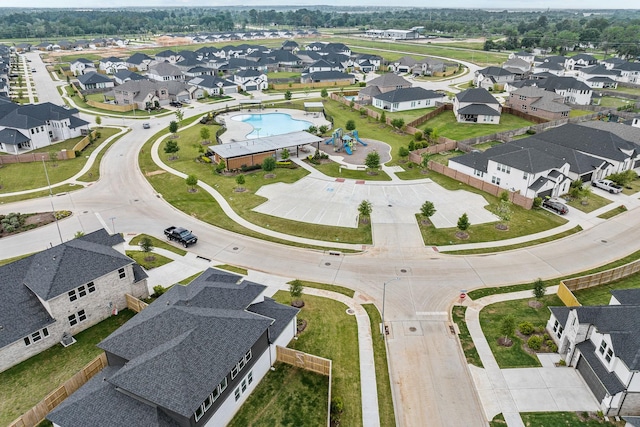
(81, 65)
(164, 72)
(476, 106)
(408, 99)
(112, 65)
(251, 80)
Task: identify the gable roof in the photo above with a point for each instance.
(478, 109)
(408, 94)
(495, 71)
(389, 80)
(627, 296)
(93, 78)
(165, 69)
(476, 96)
(138, 58)
(32, 115)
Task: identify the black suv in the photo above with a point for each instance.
(555, 206)
(175, 104)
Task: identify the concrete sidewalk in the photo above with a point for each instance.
(185, 266)
(511, 391)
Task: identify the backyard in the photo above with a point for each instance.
(446, 125)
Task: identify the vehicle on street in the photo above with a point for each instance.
(175, 103)
(180, 235)
(607, 185)
(33, 70)
(555, 206)
(146, 125)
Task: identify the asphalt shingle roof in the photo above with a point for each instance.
(478, 109)
(408, 94)
(608, 379)
(476, 96)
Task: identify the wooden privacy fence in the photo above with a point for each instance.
(35, 415)
(602, 277)
(134, 304)
(309, 362)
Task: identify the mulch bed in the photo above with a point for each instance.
(462, 235)
(32, 221)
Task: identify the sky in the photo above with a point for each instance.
(470, 4)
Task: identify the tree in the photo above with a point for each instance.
(53, 157)
(425, 160)
(295, 289)
(192, 181)
(269, 164)
(507, 326)
(323, 129)
(364, 209)
(463, 223)
(173, 126)
(504, 212)
(372, 161)
(98, 120)
(288, 95)
(240, 181)
(222, 165)
(427, 209)
(403, 152)
(350, 125)
(179, 114)
(171, 147)
(383, 117)
(312, 129)
(146, 245)
(538, 289)
(324, 93)
(397, 123)
(205, 134)
(285, 154)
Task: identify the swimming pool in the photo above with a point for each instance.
(271, 124)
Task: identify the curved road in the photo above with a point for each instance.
(429, 376)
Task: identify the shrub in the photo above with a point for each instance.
(412, 145)
(158, 290)
(245, 168)
(418, 135)
(546, 336)
(205, 159)
(337, 406)
(562, 362)
(530, 132)
(551, 345)
(268, 164)
(537, 202)
(525, 328)
(535, 342)
(419, 145)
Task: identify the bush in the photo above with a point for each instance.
(158, 290)
(526, 328)
(530, 132)
(535, 342)
(245, 168)
(551, 345)
(537, 202)
(205, 159)
(337, 406)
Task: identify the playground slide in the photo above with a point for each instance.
(329, 141)
(355, 136)
(347, 150)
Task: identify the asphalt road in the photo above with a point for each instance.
(430, 380)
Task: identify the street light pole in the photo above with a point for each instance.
(384, 294)
(55, 216)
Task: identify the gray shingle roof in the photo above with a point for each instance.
(478, 109)
(408, 94)
(608, 379)
(32, 115)
(389, 80)
(476, 96)
(495, 71)
(282, 314)
(93, 78)
(627, 296)
(12, 136)
(529, 160)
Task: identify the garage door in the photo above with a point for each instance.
(591, 379)
(587, 177)
(545, 193)
(251, 88)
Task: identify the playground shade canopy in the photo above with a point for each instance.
(262, 145)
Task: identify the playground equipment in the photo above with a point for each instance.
(355, 136)
(345, 141)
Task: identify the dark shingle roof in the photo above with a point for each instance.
(93, 78)
(608, 379)
(627, 296)
(12, 137)
(478, 109)
(476, 96)
(282, 314)
(408, 94)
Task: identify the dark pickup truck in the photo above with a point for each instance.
(180, 235)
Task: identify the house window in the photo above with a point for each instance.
(603, 347)
(476, 172)
(234, 372)
(36, 336)
(557, 328)
(121, 273)
(223, 385)
(199, 413)
(243, 385)
(495, 180)
(78, 317)
(81, 291)
(525, 175)
(237, 393)
(247, 356)
(609, 355)
(524, 107)
(250, 377)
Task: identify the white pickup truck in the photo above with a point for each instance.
(607, 185)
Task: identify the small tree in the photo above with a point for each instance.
(418, 135)
(324, 93)
(179, 114)
(403, 152)
(285, 154)
(171, 147)
(507, 326)
(425, 161)
(269, 164)
(372, 161)
(222, 165)
(288, 95)
(205, 134)
(295, 289)
(463, 225)
(98, 120)
(397, 123)
(504, 212)
(192, 181)
(240, 181)
(350, 125)
(173, 127)
(146, 246)
(364, 209)
(428, 209)
(53, 157)
(323, 129)
(383, 117)
(538, 289)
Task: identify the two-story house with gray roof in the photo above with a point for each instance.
(487, 77)
(579, 61)
(476, 106)
(112, 64)
(63, 290)
(404, 99)
(603, 344)
(384, 83)
(538, 102)
(164, 72)
(251, 80)
(191, 358)
(139, 61)
(81, 66)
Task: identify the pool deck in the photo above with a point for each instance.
(238, 131)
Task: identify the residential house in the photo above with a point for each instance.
(549, 67)
(367, 63)
(519, 67)
(476, 106)
(164, 72)
(251, 80)
(112, 65)
(139, 61)
(579, 61)
(191, 358)
(602, 343)
(428, 66)
(598, 77)
(144, 94)
(94, 80)
(322, 65)
(402, 65)
(283, 58)
(629, 72)
(404, 99)
(490, 77)
(525, 56)
(64, 290)
(126, 75)
(573, 90)
(213, 85)
(338, 78)
(538, 102)
(38, 125)
(81, 65)
(384, 83)
(290, 45)
(167, 56)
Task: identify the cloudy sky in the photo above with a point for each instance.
(476, 4)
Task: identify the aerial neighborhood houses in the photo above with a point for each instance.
(52, 295)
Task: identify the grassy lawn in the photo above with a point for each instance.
(203, 206)
(491, 318)
(600, 295)
(283, 75)
(614, 102)
(523, 221)
(333, 334)
(593, 202)
(26, 176)
(233, 269)
(385, 401)
(632, 188)
(566, 419)
(486, 145)
(24, 385)
(446, 125)
(325, 286)
(613, 212)
(629, 90)
(288, 396)
(469, 348)
(189, 279)
(333, 169)
(407, 116)
(149, 260)
(578, 113)
(157, 243)
(498, 421)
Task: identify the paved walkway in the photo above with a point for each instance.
(186, 266)
(511, 391)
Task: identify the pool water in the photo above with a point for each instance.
(271, 124)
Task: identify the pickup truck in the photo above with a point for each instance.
(180, 235)
(607, 185)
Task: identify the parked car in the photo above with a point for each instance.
(607, 185)
(180, 235)
(175, 103)
(555, 206)
(146, 125)
(33, 70)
